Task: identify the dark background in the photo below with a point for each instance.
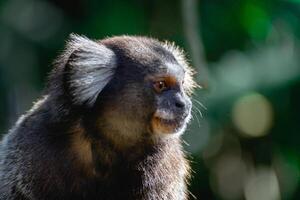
(246, 53)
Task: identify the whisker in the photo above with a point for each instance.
(197, 109)
(195, 114)
(186, 143)
(200, 104)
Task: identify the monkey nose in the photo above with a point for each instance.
(179, 104)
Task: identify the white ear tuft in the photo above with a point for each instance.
(91, 66)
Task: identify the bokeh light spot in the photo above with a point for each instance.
(262, 185)
(228, 176)
(252, 115)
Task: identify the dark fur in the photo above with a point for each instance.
(65, 148)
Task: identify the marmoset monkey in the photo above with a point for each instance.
(107, 127)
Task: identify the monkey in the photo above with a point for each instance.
(108, 125)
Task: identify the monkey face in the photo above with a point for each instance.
(172, 105)
(147, 102)
(151, 94)
(135, 86)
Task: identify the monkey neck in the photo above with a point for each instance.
(107, 156)
(96, 154)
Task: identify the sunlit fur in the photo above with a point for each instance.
(91, 135)
(92, 67)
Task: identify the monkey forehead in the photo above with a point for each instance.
(139, 49)
(168, 69)
(150, 55)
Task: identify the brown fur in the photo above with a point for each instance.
(158, 127)
(80, 149)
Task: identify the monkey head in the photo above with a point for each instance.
(129, 87)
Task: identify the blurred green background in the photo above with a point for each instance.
(246, 53)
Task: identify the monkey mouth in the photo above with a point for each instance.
(167, 126)
(168, 122)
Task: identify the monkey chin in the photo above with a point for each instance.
(165, 127)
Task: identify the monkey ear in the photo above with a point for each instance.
(90, 67)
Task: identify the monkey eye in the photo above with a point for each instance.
(160, 86)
